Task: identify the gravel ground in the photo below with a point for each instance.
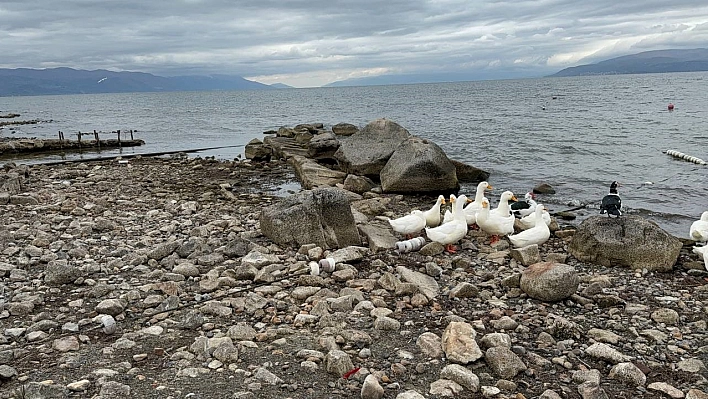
(205, 306)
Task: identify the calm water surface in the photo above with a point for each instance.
(577, 134)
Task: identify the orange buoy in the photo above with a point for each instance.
(671, 107)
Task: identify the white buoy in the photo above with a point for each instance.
(689, 158)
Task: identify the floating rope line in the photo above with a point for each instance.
(685, 157)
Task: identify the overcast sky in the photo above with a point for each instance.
(308, 43)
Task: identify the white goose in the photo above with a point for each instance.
(447, 217)
(699, 228)
(529, 221)
(452, 231)
(474, 207)
(409, 224)
(432, 215)
(503, 209)
(704, 252)
(538, 234)
(492, 223)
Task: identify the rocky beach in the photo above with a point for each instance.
(170, 278)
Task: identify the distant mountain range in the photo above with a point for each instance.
(27, 82)
(657, 61)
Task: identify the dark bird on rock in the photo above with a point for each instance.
(612, 203)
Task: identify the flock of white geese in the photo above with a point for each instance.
(453, 226)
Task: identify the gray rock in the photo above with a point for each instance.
(379, 238)
(23, 199)
(322, 217)
(371, 389)
(338, 362)
(445, 388)
(468, 173)
(258, 260)
(665, 315)
(430, 345)
(549, 282)
(464, 290)
(358, 184)
(603, 336)
(458, 343)
(163, 250)
(549, 394)
(7, 372)
(544, 188)
(505, 363)
(345, 129)
(493, 340)
(410, 395)
(426, 284)
(592, 375)
(257, 151)
(266, 376)
(60, 272)
(417, 166)
(36, 390)
(238, 247)
(591, 390)
(666, 389)
(187, 270)
(114, 389)
(527, 255)
(66, 344)
(322, 146)
(112, 307)
(692, 366)
(366, 153)
(628, 241)
(312, 175)
(607, 353)
(696, 394)
(461, 375)
(242, 332)
(387, 324)
(628, 373)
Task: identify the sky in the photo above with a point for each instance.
(314, 42)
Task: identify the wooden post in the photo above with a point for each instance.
(118, 131)
(131, 135)
(61, 136)
(79, 135)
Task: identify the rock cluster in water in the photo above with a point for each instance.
(382, 150)
(153, 278)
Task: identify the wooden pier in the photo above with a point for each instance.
(84, 140)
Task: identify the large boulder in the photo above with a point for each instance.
(416, 166)
(311, 174)
(468, 173)
(628, 241)
(366, 152)
(321, 216)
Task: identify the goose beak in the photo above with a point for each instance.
(513, 198)
(489, 187)
(469, 200)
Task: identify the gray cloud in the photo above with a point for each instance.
(309, 43)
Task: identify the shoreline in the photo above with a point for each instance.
(137, 240)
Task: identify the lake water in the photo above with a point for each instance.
(577, 134)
